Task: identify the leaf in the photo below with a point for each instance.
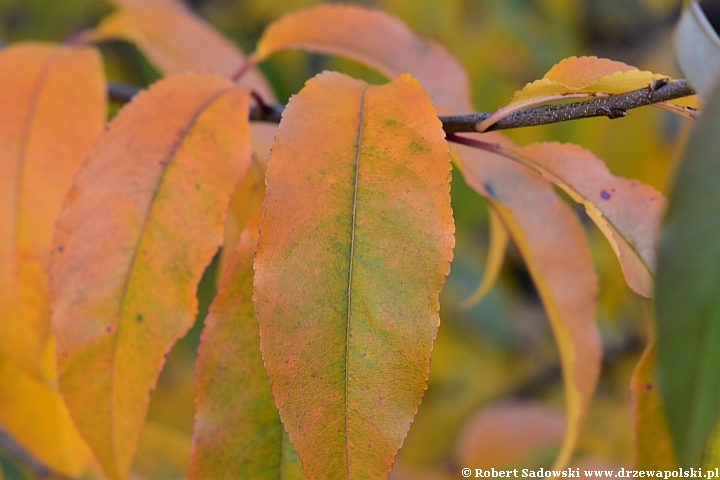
(32, 410)
(38, 157)
(697, 49)
(142, 221)
(652, 443)
(505, 434)
(40, 84)
(626, 211)
(499, 238)
(687, 304)
(375, 39)
(553, 245)
(177, 41)
(237, 433)
(355, 245)
(586, 77)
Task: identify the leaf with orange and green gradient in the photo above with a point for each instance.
(144, 218)
(585, 77)
(627, 212)
(176, 41)
(553, 244)
(652, 443)
(53, 109)
(237, 435)
(503, 435)
(375, 39)
(34, 413)
(355, 245)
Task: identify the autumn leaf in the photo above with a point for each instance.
(375, 39)
(237, 435)
(38, 158)
(142, 221)
(503, 435)
(32, 410)
(584, 77)
(554, 247)
(652, 443)
(355, 245)
(687, 304)
(499, 239)
(177, 41)
(626, 211)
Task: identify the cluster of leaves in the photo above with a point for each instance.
(337, 245)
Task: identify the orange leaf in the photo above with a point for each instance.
(355, 245)
(141, 223)
(626, 211)
(53, 108)
(237, 436)
(652, 443)
(505, 434)
(177, 41)
(586, 77)
(553, 245)
(375, 39)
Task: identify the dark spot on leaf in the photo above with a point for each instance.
(605, 195)
(648, 387)
(139, 318)
(489, 189)
(109, 329)
(197, 186)
(390, 122)
(61, 249)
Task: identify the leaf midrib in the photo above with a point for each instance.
(361, 120)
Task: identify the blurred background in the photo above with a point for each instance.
(495, 394)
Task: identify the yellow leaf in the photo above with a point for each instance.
(38, 157)
(177, 41)
(652, 442)
(354, 248)
(144, 218)
(237, 435)
(553, 245)
(586, 77)
(375, 39)
(32, 410)
(499, 238)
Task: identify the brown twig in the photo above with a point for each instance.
(612, 107)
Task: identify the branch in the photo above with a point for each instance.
(612, 107)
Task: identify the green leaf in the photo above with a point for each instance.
(687, 297)
(237, 431)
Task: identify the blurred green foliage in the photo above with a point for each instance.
(502, 348)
